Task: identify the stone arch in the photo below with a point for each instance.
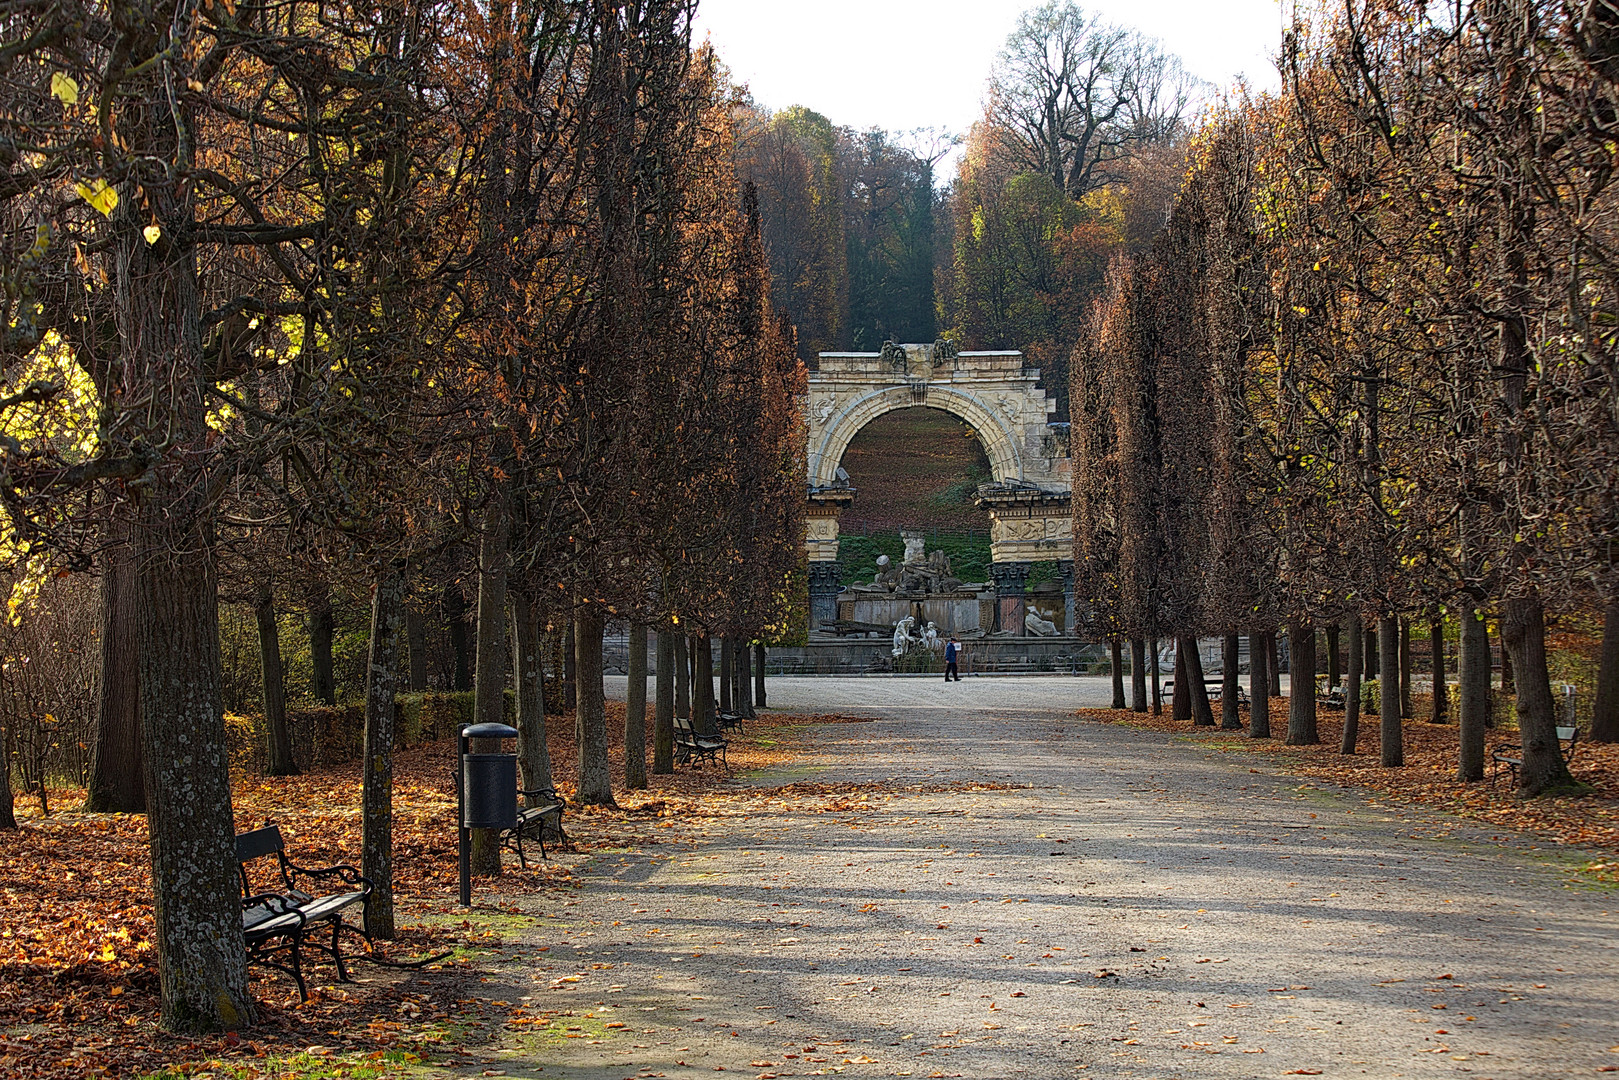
(1005, 461)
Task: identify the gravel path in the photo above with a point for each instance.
(1143, 907)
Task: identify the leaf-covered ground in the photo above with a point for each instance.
(1589, 819)
(916, 468)
(78, 985)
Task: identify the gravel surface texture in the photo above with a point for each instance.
(1017, 892)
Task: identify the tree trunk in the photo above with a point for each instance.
(1605, 706)
(117, 784)
(1523, 625)
(376, 795)
(727, 661)
(1230, 719)
(273, 690)
(742, 691)
(1388, 692)
(1202, 713)
(1406, 668)
(1357, 663)
(455, 614)
(202, 962)
(416, 635)
(1301, 730)
(8, 808)
(1508, 683)
(1273, 659)
(635, 712)
(1441, 693)
(663, 719)
(1369, 649)
(1117, 653)
(1259, 688)
(1157, 687)
(1334, 672)
(493, 646)
(1138, 675)
(1473, 677)
(196, 897)
(702, 687)
(528, 653)
(590, 715)
(322, 681)
(570, 667)
(1180, 702)
(682, 678)
(759, 657)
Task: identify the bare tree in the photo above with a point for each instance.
(1075, 94)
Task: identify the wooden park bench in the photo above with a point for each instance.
(1334, 698)
(279, 912)
(534, 822)
(693, 747)
(729, 721)
(1508, 757)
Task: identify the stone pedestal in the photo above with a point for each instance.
(823, 593)
(821, 549)
(1011, 581)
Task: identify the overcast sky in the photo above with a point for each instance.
(904, 64)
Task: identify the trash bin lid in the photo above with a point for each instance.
(489, 731)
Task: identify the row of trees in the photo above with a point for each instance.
(300, 293)
(1368, 370)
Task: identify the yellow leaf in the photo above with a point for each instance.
(64, 89)
(100, 195)
(151, 232)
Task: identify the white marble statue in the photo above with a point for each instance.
(1034, 624)
(930, 638)
(902, 635)
(915, 546)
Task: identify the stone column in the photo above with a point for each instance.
(1011, 580)
(821, 551)
(823, 593)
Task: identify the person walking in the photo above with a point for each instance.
(952, 652)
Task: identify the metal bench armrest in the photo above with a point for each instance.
(341, 871)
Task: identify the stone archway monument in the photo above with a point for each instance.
(997, 395)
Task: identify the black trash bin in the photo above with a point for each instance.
(488, 790)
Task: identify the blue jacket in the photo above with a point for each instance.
(950, 651)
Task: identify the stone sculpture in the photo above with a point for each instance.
(930, 638)
(1035, 625)
(902, 636)
(915, 546)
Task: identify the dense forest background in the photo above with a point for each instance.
(1078, 156)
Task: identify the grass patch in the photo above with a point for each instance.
(305, 1066)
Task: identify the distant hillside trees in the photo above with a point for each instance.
(848, 225)
(1077, 157)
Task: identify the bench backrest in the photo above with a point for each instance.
(256, 845)
(1567, 734)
